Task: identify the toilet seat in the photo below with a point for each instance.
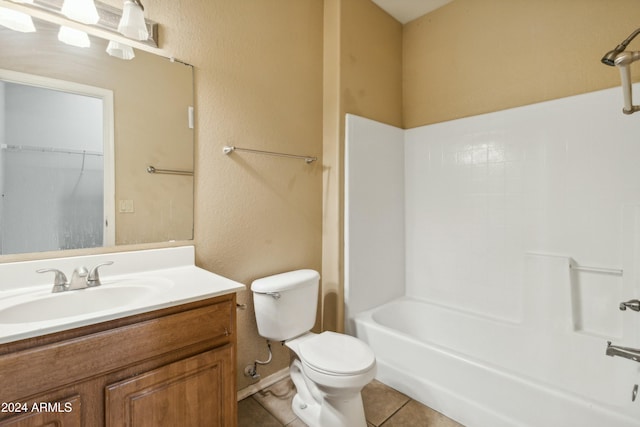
(331, 353)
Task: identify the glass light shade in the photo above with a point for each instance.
(73, 37)
(81, 10)
(132, 24)
(120, 50)
(17, 21)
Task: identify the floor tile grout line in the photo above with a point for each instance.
(394, 412)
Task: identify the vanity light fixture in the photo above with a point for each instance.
(81, 10)
(120, 50)
(17, 21)
(110, 23)
(73, 37)
(132, 23)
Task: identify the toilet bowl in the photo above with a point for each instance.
(328, 369)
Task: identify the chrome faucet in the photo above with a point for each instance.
(80, 279)
(626, 352)
(93, 279)
(633, 304)
(59, 282)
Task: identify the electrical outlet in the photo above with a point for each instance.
(126, 206)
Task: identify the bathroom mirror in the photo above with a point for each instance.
(150, 126)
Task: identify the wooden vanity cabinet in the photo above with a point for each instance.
(170, 367)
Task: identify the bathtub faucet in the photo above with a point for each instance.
(626, 352)
(634, 305)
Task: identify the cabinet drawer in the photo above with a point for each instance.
(29, 372)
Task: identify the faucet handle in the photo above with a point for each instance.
(59, 282)
(633, 304)
(94, 276)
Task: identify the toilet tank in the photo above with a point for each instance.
(285, 304)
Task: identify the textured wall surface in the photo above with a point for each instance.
(472, 57)
(258, 84)
(363, 76)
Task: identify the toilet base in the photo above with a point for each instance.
(316, 409)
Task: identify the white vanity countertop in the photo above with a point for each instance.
(137, 282)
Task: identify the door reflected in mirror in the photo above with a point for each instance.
(56, 154)
(151, 97)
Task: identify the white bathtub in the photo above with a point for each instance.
(489, 372)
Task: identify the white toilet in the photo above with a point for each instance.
(329, 369)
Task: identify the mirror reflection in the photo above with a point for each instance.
(52, 170)
(78, 130)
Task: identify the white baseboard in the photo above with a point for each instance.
(263, 383)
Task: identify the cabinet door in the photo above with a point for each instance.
(198, 391)
(65, 413)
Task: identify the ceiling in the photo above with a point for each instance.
(408, 10)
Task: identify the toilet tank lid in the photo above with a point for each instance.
(284, 281)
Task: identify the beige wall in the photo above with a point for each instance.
(258, 83)
(363, 76)
(472, 57)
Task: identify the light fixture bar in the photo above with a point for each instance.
(109, 18)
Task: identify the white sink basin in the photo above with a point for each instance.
(136, 282)
(52, 306)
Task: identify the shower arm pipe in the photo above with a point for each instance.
(632, 36)
(623, 62)
(610, 57)
(622, 46)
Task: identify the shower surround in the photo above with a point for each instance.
(485, 259)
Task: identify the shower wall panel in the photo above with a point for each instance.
(374, 214)
(553, 178)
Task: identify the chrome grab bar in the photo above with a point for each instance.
(626, 352)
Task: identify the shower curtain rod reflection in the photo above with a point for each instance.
(230, 149)
(10, 147)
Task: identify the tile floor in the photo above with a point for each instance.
(383, 407)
